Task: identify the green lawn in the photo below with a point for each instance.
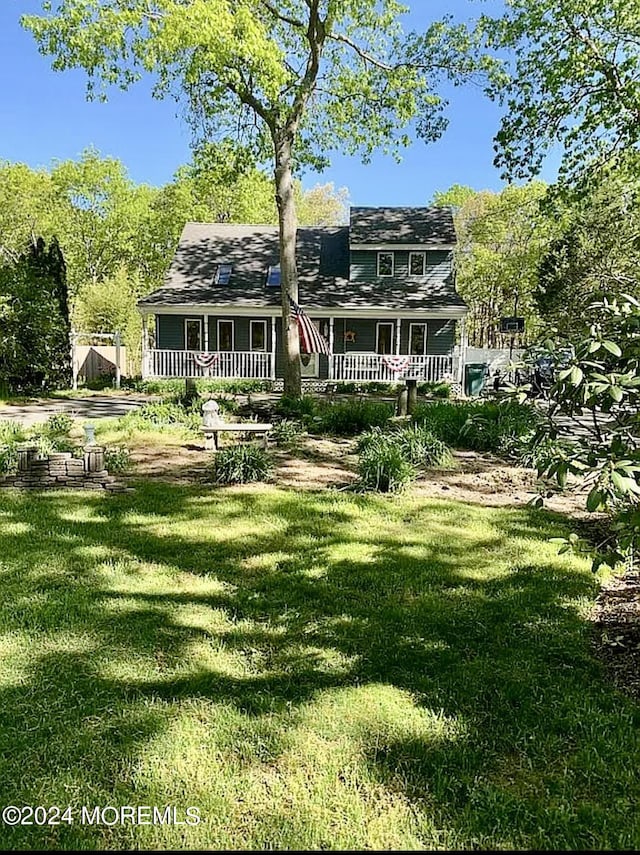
(309, 670)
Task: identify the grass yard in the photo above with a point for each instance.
(310, 670)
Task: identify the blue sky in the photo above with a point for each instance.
(44, 116)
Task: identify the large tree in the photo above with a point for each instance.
(34, 319)
(291, 79)
(502, 238)
(574, 69)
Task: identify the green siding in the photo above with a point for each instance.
(170, 332)
(440, 335)
(364, 266)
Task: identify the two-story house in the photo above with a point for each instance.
(380, 290)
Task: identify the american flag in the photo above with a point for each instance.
(311, 341)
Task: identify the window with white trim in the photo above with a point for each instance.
(385, 264)
(192, 334)
(223, 274)
(258, 335)
(417, 339)
(384, 338)
(225, 335)
(417, 263)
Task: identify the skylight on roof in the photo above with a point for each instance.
(223, 274)
(273, 276)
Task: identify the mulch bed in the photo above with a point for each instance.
(616, 637)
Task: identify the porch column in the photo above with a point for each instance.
(273, 348)
(462, 357)
(206, 333)
(398, 322)
(331, 340)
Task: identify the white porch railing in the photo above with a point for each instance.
(224, 364)
(374, 367)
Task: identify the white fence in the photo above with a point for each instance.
(389, 369)
(225, 365)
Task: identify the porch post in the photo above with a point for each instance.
(206, 333)
(398, 322)
(273, 347)
(331, 340)
(462, 358)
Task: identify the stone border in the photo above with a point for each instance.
(60, 470)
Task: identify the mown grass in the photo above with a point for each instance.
(310, 670)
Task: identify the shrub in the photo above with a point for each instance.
(11, 432)
(8, 457)
(436, 390)
(203, 385)
(240, 464)
(58, 424)
(383, 466)
(117, 459)
(478, 425)
(444, 419)
(422, 448)
(161, 416)
(348, 418)
(291, 407)
(287, 432)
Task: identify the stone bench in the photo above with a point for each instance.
(211, 432)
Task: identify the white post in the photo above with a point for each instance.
(145, 347)
(116, 339)
(206, 333)
(463, 351)
(74, 359)
(398, 322)
(273, 348)
(331, 341)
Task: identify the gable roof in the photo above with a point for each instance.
(432, 225)
(323, 269)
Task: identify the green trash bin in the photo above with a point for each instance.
(475, 375)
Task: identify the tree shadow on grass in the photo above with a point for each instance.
(308, 595)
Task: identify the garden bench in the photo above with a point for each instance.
(211, 432)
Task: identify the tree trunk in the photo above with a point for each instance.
(288, 224)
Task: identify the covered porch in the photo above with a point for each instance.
(363, 348)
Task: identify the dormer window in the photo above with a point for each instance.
(273, 276)
(385, 264)
(223, 274)
(417, 263)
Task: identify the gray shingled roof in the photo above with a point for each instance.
(402, 225)
(323, 267)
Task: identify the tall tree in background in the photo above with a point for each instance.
(502, 238)
(291, 79)
(574, 82)
(597, 254)
(34, 320)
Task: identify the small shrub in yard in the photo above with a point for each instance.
(293, 407)
(435, 390)
(422, 448)
(117, 459)
(11, 432)
(8, 457)
(57, 425)
(240, 464)
(383, 466)
(162, 415)
(287, 432)
(348, 418)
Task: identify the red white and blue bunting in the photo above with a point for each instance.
(205, 360)
(396, 363)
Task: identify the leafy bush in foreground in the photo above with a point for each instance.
(348, 418)
(383, 465)
(240, 464)
(287, 432)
